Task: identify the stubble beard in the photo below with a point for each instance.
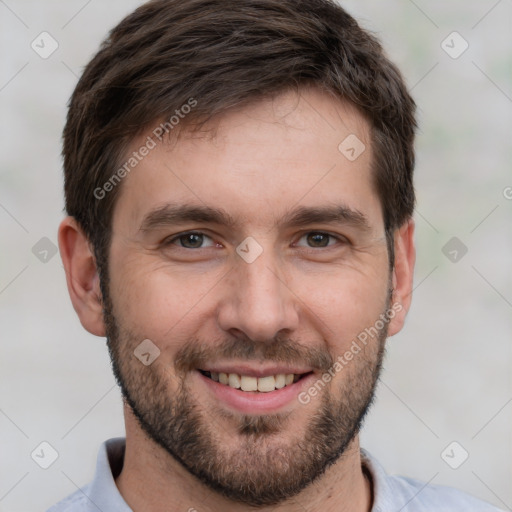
(272, 462)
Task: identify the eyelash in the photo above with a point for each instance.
(171, 241)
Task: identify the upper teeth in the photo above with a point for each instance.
(248, 383)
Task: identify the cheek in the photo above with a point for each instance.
(147, 301)
(154, 301)
(347, 306)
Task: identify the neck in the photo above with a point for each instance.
(152, 480)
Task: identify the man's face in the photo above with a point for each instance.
(270, 293)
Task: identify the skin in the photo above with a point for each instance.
(261, 162)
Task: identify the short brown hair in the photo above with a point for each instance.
(224, 54)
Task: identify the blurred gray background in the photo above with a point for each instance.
(447, 375)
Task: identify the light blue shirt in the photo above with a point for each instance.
(391, 493)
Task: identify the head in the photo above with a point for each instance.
(256, 125)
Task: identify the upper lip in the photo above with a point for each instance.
(252, 371)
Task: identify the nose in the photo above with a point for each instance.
(258, 301)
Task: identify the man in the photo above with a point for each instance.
(238, 179)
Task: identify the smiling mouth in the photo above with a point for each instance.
(248, 383)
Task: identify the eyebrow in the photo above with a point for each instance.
(172, 214)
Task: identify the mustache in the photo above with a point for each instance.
(197, 354)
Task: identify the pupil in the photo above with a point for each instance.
(190, 238)
(316, 237)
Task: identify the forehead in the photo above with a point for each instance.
(257, 162)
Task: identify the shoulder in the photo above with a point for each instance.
(76, 502)
(420, 496)
(101, 494)
(410, 495)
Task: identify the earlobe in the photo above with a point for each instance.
(81, 276)
(402, 277)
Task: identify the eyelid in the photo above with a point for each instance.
(170, 240)
(340, 238)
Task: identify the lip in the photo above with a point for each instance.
(250, 371)
(255, 402)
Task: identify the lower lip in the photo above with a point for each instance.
(255, 401)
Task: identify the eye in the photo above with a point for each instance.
(190, 240)
(319, 239)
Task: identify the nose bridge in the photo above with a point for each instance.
(260, 282)
(261, 303)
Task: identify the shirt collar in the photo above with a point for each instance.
(382, 493)
(103, 491)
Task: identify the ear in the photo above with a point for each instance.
(81, 276)
(402, 277)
